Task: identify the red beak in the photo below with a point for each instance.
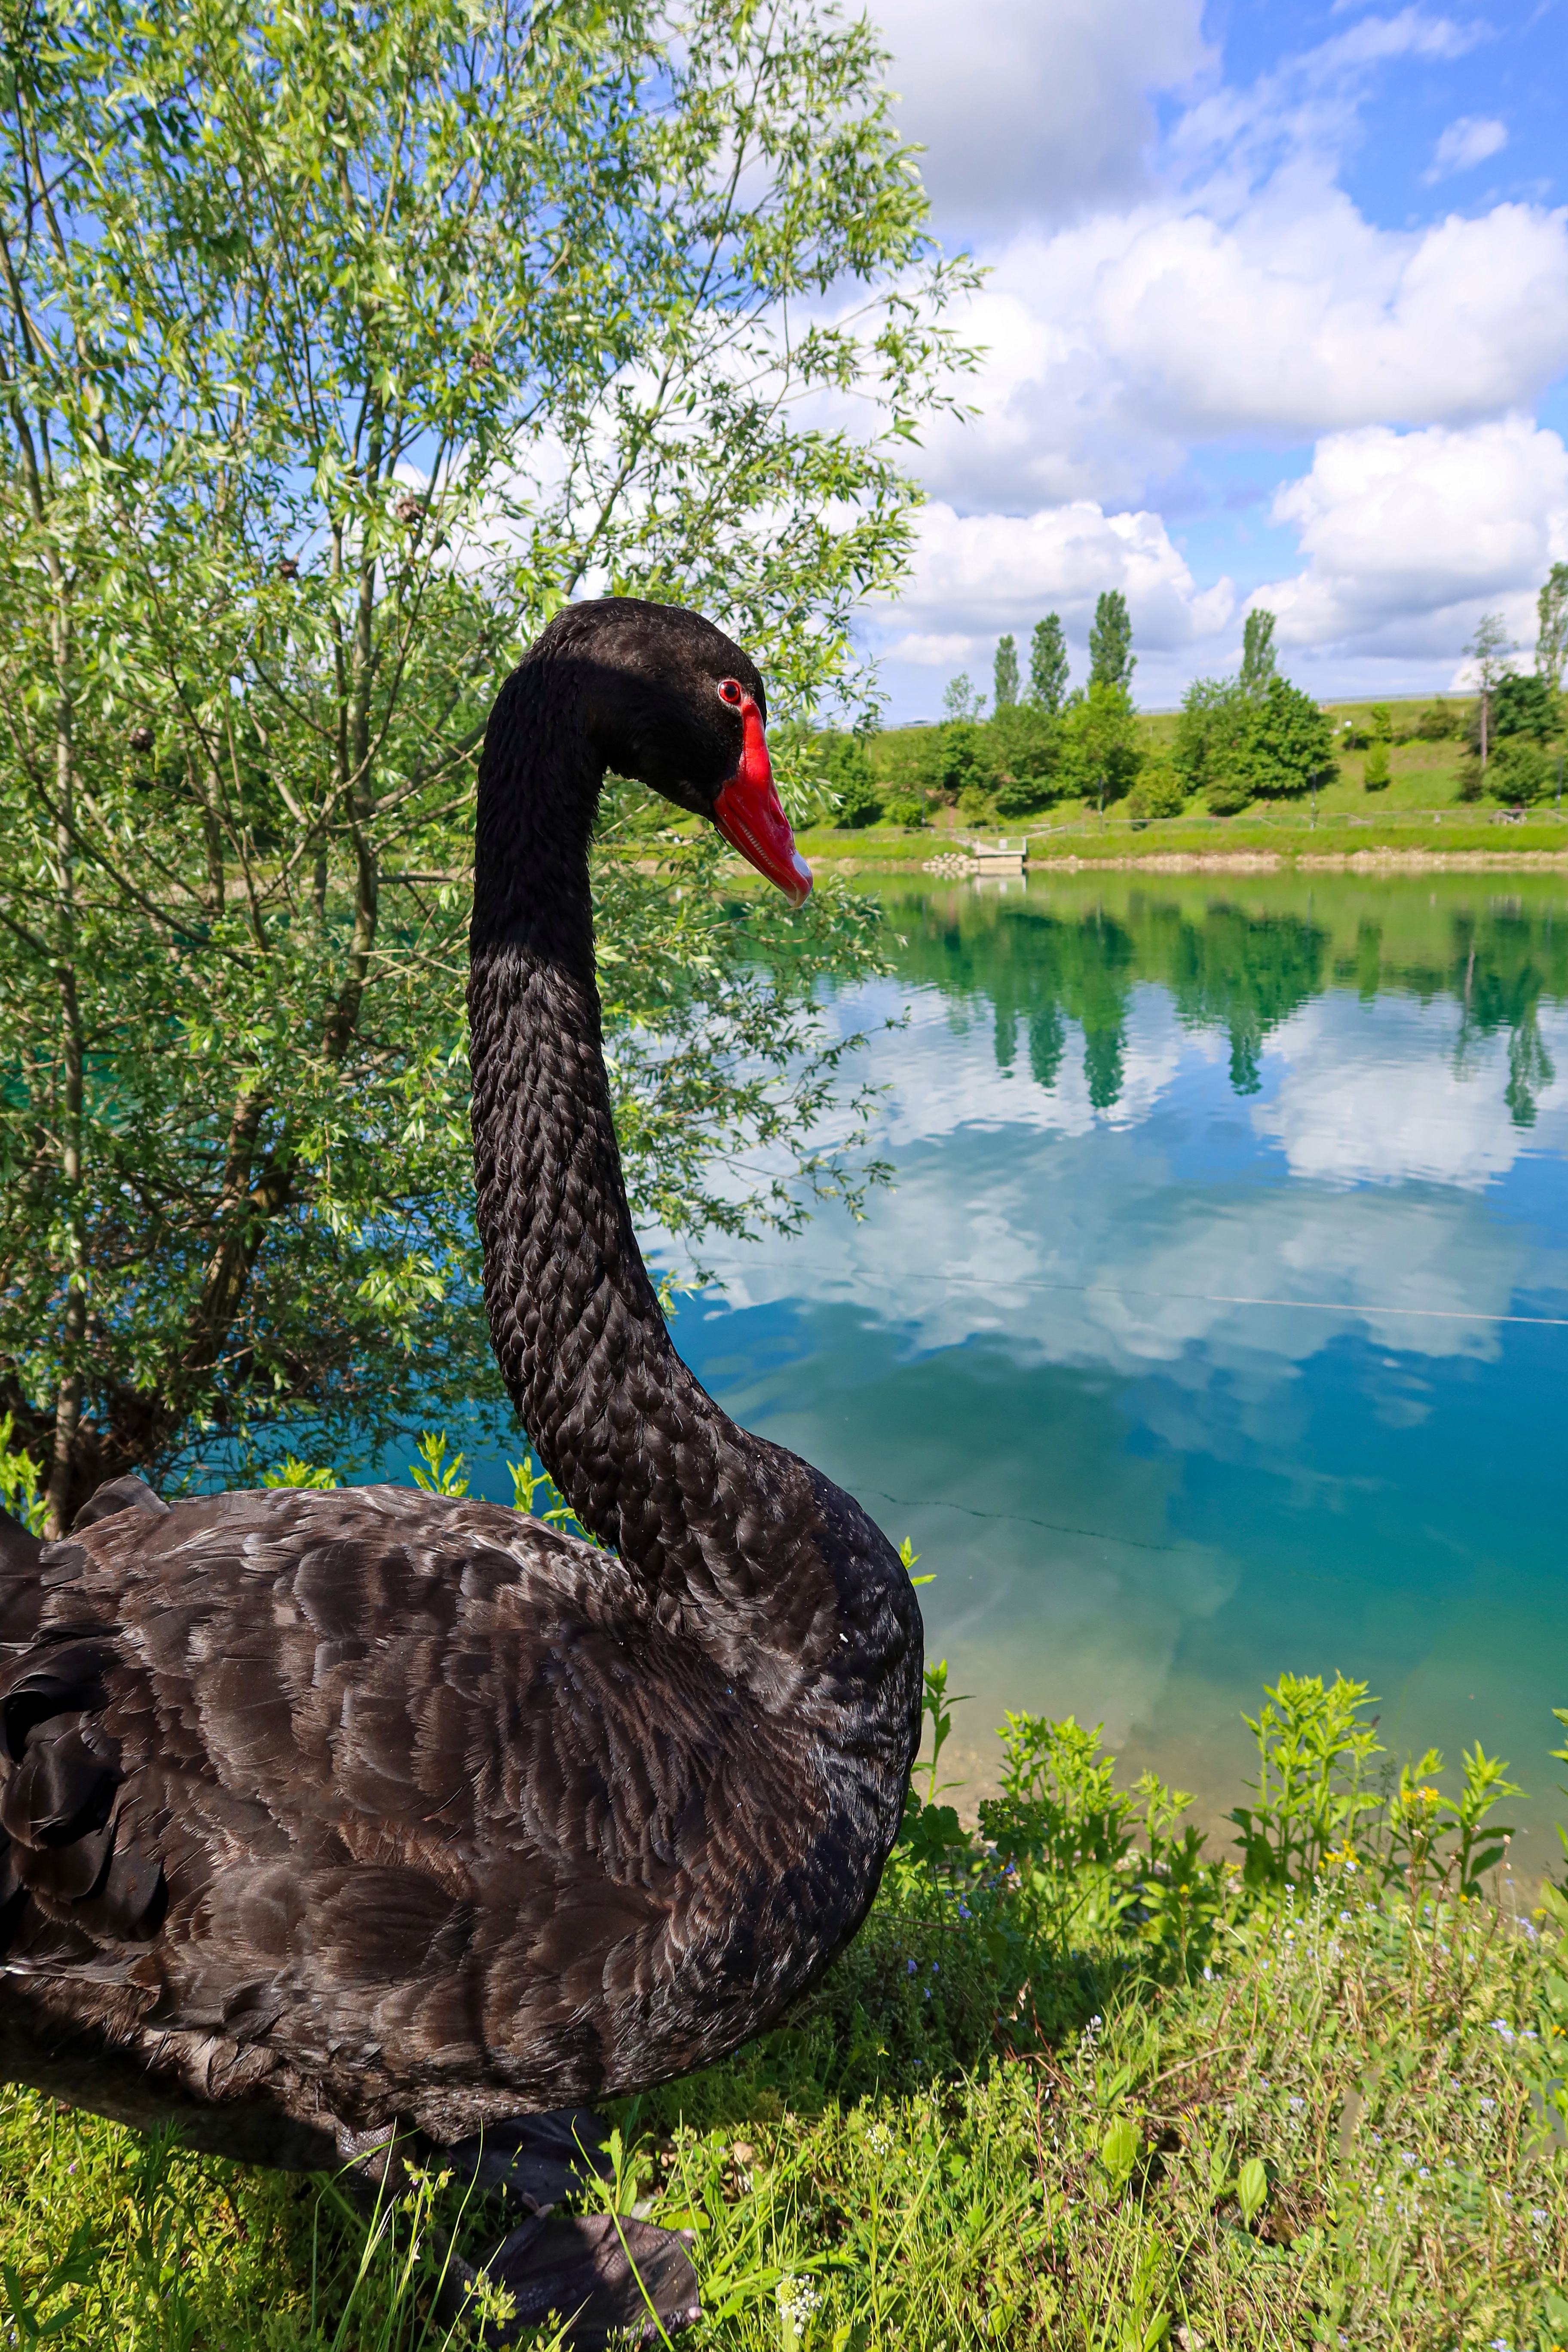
(748, 815)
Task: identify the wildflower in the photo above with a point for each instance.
(1487, 2106)
(1501, 2026)
(879, 2139)
(912, 1967)
(797, 2300)
(964, 1912)
(1298, 2103)
(1345, 1914)
(1208, 1974)
(1425, 2173)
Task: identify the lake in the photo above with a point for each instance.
(1216, 1323)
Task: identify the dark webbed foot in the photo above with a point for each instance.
(605, 2273)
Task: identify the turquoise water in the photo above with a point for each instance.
(1217, 1321)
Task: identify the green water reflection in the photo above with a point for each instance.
(1217, 1322)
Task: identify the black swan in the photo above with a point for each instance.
(323, 1814)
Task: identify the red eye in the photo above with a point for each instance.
(732, 691)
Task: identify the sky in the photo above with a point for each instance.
(1276, 315)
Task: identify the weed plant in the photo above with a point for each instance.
(1079, 2083)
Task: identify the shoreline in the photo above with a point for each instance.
(1221, 861)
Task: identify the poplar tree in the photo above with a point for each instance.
(1256, 652)
(1049, 664)
(1112, 660)
(1006, 675)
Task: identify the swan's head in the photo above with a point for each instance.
(677, 705)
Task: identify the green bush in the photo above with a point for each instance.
(850, 777)
(1157, 793)
(963, 761)
(1524, 705)
(1024, 747)
(1374, 771)
(1229, 791)
(1520, 771)
(907, 809)
(1022, 796)
(1438, 722)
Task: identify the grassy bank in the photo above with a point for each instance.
(1081, 2082)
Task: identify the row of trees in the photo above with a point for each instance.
(1238, 738)
(1039, 744)
(1112, 660)
(338, 348)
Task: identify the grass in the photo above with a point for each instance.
(1079, 2083)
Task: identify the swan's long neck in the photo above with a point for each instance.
(717, 1521)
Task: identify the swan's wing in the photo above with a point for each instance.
(353, 1773)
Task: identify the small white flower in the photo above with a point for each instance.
(797, 2300)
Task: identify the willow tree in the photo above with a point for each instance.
(338, 348)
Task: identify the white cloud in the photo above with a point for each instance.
(1112, 347)
(1099, 1254)
(1212, 284)
(1033, 111)
(1467, 142)
(980, 573)
(1409, 534)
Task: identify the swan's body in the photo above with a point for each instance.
(327, 1810)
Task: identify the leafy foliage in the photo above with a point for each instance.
(516, 309)
(1100, 752)
(851, 782)
(1256, 651)
(1049, 664)
(1234, 744)
(1159, 792)
(1024, 745)
(1004, 692)
(1524, 704)
(1112, 660)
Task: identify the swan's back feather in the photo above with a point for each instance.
(410, 1802)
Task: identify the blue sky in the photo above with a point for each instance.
(1277, 312)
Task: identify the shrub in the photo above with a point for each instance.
(1229, 791)
(1521, 769)
(962, 749)
(1290, 742)
(1375, 773)
(1157, 793)
(1438, 722)
(906, 808)
(1025, 747)
(1524, 706)
(1022, 796)
(849, 772)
